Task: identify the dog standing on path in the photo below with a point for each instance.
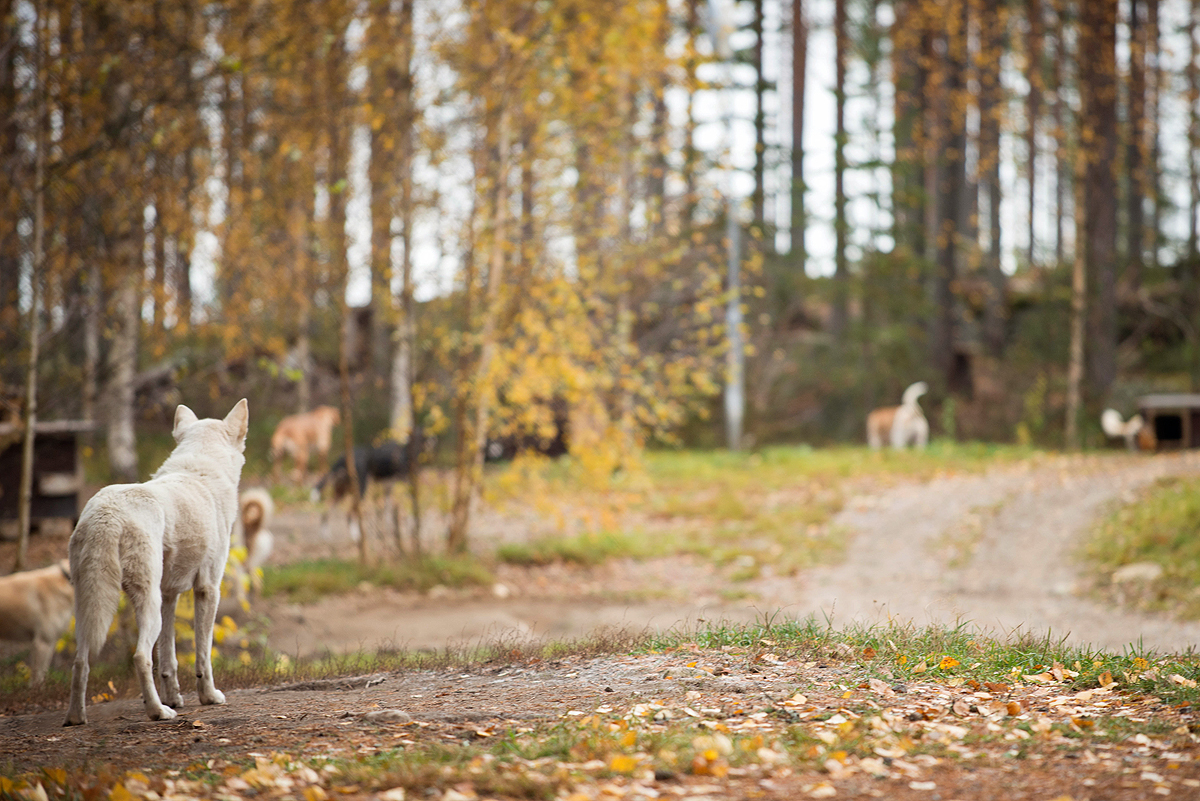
(35, 606)
(902, 425)
(155, 541)
(298, 435)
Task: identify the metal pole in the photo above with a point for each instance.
(735, 369)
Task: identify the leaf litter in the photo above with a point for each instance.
(692, 723)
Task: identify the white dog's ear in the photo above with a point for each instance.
(238, 423)
(184, 417)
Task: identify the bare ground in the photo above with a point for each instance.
(996, 550)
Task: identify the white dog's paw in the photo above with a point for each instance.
(162, 713)
(173, 700)
(213, 696)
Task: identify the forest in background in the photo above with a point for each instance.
(181, 206)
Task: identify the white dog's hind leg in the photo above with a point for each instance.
(166, 663)
(921, 432)
(207, 598)
(147, 607)
(77, 711)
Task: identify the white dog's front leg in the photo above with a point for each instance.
(167, 665)
(207, 598)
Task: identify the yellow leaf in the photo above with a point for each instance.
(1140, 664)
(119, 793)
(622, 763)
(1105, 679)
(314, 793)
(921, 668)
(947, 662)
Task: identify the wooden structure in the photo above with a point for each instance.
(1174, 419)
(57, 470)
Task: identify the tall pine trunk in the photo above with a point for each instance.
(799, 65)
(1098, 136)
(841, 271)
(991, 109)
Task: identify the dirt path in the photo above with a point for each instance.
(996, 550)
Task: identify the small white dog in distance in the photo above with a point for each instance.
(902, 425)
(252, 532)
(1117, 428)
(35, 606)
(154, 541)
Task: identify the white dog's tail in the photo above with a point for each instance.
(913, 392)
(1114, 426)
(95, 553)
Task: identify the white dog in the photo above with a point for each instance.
(252, 532)
(155, 541)
(902, 425)
(1114, 427)
(35, 606)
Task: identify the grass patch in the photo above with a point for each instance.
(1159, 526)
(584, 549)
(769, 507)
(303, 582)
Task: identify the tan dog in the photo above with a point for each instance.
(252, 532)
(156, 541)
(902, 425)
(35, 606)
(298, 435)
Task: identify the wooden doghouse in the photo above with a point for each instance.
(1174, 418)
(57, 470)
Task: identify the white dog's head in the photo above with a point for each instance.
(234, 426)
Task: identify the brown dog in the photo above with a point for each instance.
(298, 435)
(36, 606)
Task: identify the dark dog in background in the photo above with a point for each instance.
(385, 462)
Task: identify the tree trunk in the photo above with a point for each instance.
(1078, 317)
(1153, 121)
(758, 198)
(799, 63)
(25, 498)
(950, 170)
(1098, 79)
(470, 473)
(1060, 132)
(1193, 134)
(908, 192)
(991, 110)
(1135, 149)
(840, 310)
(1033, 109)
(691, 154)
(122, 450)
(10, 199)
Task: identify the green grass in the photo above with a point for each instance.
(307, 581)
(1161, 525)
(748, 509)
